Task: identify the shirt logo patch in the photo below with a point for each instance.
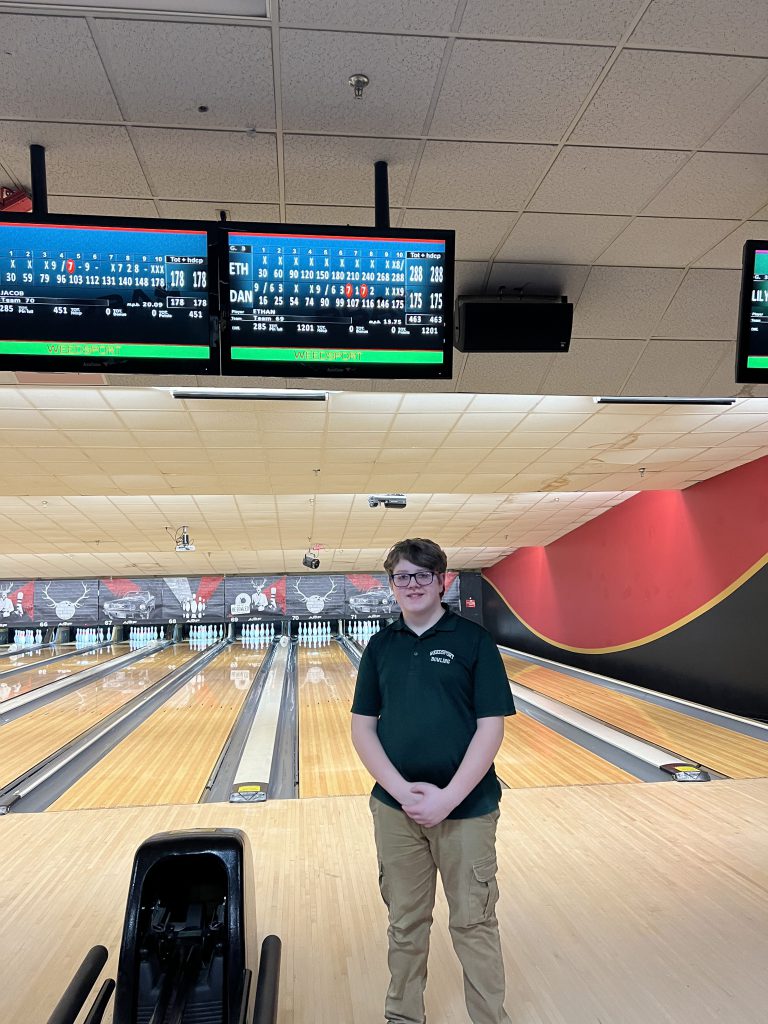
(441, 657)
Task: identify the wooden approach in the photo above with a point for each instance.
(725, 751)
(620, 904)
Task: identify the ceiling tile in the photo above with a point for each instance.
(102, 207)
(477, 234)
(664, 242)
(539, 279)
(363, 216)
(477, 175)
(74, 85)
(619, 302)
(745, 130)
(468, 279)
(729, 253)
(671, 367)
(595, 20)
(425, 16)
(714, 185)
(148, 65)
(659, 99)
(316, 94)
(186, 210)
(86, 159)
(521, 374)
(705, 306)
(560, 238)
(228, 164)
(727, 29)
(548, 83)
(600, 181)
(342, 168)
(589, 360)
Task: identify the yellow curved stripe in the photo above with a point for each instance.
(759, 564)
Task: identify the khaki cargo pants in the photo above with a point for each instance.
(464, 852)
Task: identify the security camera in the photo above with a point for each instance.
(310, 561)
(183, 543)
(388, 500)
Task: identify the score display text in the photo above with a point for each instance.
(82, 296)
(314, 303)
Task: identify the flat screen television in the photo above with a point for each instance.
(90, 294)
(309, 301)
(752, 339)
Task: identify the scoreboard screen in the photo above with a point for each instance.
(752, 345)
(89, 294)
(357, 302)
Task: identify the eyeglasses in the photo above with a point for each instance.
(403, 579)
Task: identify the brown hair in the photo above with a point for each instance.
(419, 551)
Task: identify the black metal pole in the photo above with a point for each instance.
(70, 1004)
(268, 983)
(381, 193)
(39, 182)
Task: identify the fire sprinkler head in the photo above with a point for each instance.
(358, 83)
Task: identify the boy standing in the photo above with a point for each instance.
(427, 722)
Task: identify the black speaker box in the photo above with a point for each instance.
(507, 324)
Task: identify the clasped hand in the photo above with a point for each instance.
(428, 805)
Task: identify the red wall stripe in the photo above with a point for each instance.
(644, 567)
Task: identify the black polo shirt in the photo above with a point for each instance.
(428, 692)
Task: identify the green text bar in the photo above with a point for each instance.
(757, 362)
(105, 349)
(337, 355)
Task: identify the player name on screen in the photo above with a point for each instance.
(81, 290)
(336, 291)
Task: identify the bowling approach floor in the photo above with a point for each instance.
(620, 904)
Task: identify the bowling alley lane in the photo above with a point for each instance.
(721, 749)
(27, 740)
(169, 757)
(328, 763)
(38, 672)
(531, 754)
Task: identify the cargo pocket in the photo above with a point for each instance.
(483, 890)
(383, 886)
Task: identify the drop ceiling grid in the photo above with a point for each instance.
(437, 17)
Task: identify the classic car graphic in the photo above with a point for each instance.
(378, 599)
(138, 605)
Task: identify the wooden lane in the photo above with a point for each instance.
(169, 757)
(328, 763)
(727, 752)
(27, 658)
(38, 673)
(533, 755)
(530, 755)
(27, 740)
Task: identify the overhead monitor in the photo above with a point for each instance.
(335, 302)
(752, 341)
(91, 294)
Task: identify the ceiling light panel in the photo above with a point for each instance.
(208, 9)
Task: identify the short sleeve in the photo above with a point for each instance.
(493, 695)
(367, 698)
